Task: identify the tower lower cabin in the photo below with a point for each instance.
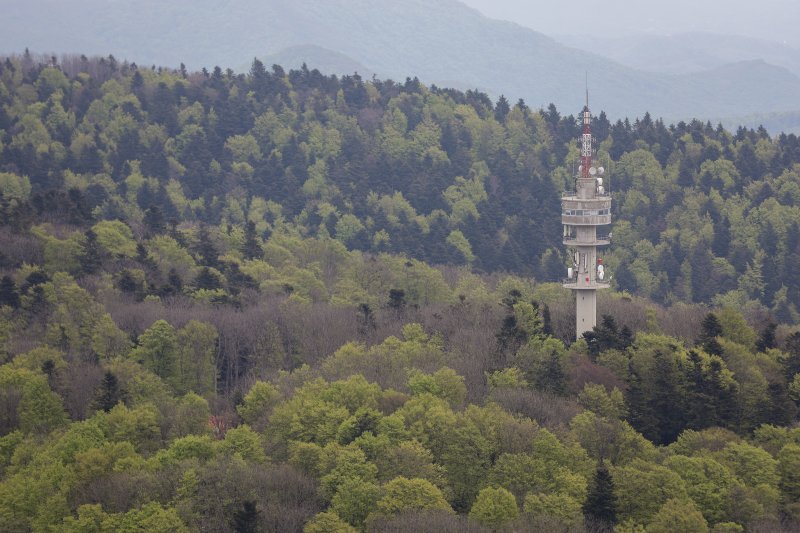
(582, 212)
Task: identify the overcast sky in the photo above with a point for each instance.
(775, 20)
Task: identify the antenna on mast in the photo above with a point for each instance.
(587, 88)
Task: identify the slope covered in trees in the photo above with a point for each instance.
(223, 285)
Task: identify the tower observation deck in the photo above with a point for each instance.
(582, 212)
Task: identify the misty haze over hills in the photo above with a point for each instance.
(766, 20)
(440, 41)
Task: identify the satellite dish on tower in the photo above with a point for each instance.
(601, 170)
(592, 171)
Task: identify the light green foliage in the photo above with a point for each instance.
(528, 473)
(14, 187)
(99, 461)
(678, 516)
(727, 527)
(245, 443)
(342, 463)
(152, 517)
(328, 522)
(403, 494)
(794, 388)
(258, 403)
(307, 418)
(563, 507)
(457, 240)
(735, 328)
(243, 148)
(79, 323)
(494, 507)
(596, 398)
(60, 255)
(191, 416)
(789, 471)
(39, 409)
(708, 484)
(511, 377)
(411, 460)
(610, 439)
(751, 464)
(139, 426)
(142, 387)
(354, 500)
(364, 421)
(691, 442)
(158, 350)
(184, 448)
(307, 457)
(168, 254)
(347, 227)
(642, 488)
(387, 362)
(36, 358)
(116, 238)
(542, 359)
(195, 368)
(444, 383)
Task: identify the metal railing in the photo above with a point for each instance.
(598, 238)
(571, 194)
(574, 281)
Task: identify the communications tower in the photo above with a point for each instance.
(582, 211)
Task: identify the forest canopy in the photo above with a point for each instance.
(336, 303)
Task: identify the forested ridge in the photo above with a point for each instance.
(285, 301)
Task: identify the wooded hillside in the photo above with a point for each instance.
(285, 301)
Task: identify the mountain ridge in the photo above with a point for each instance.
(441, 42)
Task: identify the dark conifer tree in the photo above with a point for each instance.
(766, 340)
(547, 321)
(791, 364)
(600, 508)
(154, 221)
(8, 293)
(722, 238)
(91, 257)
(252, 248)
(207, 280)
(108, 394)
(502, 109)
(397, 299)
(245, 520)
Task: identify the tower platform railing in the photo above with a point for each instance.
(600, 240)
(578, 283)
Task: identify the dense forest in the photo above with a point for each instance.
(285, 301)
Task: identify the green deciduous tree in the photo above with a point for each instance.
(494, 507)
(403, 494)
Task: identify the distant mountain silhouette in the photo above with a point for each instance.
(440, 41)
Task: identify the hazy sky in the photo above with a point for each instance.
(767, 19)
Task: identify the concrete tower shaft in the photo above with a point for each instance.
(582, 211)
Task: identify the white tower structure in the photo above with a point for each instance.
(582, 211)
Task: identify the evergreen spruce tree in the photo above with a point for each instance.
(91, 258)
(711, 329)
(397, 299)
(600, 508)
(547, 321)
(252, 248)
(108, 394)
(245, 520)
(766, 340)
(8, 293)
